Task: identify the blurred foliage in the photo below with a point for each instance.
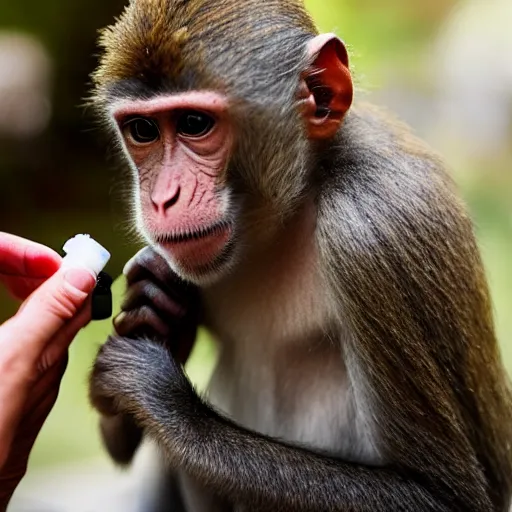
(62, 182)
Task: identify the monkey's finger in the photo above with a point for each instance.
(147, 263)
(141, 321)
(146, 292)
(146, 259)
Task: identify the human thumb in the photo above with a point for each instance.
(61, 297)
(52, 305)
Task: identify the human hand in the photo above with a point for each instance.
(34, 345)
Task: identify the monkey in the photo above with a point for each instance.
(326, 249)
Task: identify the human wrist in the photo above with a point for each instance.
(8, 485)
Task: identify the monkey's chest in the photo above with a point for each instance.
(296, 393)
(281, 370)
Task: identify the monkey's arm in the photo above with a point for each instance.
(141, 378)
(156, 304)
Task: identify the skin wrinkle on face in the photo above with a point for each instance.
(194, 192)
(181, 177)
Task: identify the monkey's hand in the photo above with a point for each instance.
(158, 306)
(131, 377)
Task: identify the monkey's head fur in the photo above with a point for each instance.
(188, 43)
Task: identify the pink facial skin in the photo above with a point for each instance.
(181, 176)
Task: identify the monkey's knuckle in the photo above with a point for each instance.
(134, 261)
(135, 292)
(146, 256)
(146, 312)
(145, 259)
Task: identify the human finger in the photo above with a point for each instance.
(49, 308)
(19, 256)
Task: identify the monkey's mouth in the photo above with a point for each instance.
(198, 248)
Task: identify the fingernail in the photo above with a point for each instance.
(80, 279)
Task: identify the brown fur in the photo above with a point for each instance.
(444, 360)
(153, 38)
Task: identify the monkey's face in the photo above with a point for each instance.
(280, 97)
(179, 147)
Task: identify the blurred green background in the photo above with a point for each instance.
(444, 66)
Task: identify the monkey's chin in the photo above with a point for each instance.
(201, 261)
(208, 273)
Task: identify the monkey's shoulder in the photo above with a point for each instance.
(381, 135)
(380, 169)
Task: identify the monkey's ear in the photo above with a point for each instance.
(326, 89)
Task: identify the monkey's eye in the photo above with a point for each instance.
(143, 130)
(194, 124)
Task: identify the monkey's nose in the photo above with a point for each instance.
(162, 204)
